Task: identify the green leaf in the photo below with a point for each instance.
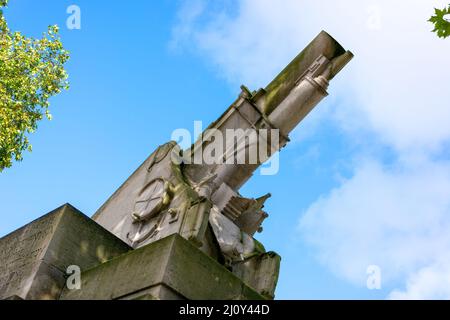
(31, 72)
(441, 25)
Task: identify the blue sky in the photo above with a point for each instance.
(365, 181)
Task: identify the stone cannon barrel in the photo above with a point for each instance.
(282, 105)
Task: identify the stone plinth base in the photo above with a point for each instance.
(35, 258)
(171, 268)
(34, 261)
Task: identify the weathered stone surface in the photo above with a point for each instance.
(260, 272)
(186, 218)
(201, 193)
(324, 45)
(34, 259)
(171, 268)
(155, 202)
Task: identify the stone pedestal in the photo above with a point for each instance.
(171, 268)
(34, 259)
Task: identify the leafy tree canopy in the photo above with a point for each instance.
(31, 71)
(441, 22)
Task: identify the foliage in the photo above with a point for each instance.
(441, 22)
(31, 71)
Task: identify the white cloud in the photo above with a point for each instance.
(432, 282)
(395, 90)
(188, 13)
(397, 218)
(397, 78)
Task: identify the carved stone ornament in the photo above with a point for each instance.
(153, 199)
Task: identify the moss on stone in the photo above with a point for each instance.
(173, 262)
(280, 87)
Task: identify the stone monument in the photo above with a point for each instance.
(178, 228)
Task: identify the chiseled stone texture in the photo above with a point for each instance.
(171, 268)
(34, 259)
